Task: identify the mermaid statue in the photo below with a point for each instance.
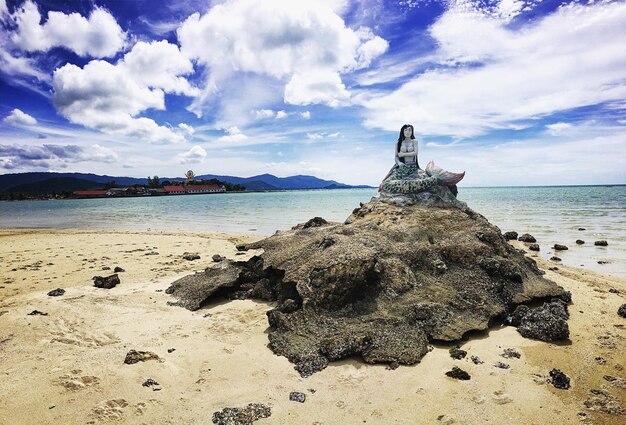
(406, 176)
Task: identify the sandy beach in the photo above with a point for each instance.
(67, 366)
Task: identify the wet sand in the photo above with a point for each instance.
(68, 366)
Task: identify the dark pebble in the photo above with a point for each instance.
(601, 243)
(579, 241)
(56, 292)
(553, 269)
(559, 247)
(217, 258)
(510, 236)
(501, 365)
(603, 262)
(107, 282)
(581, 228)
(152, 253)
(621, 311)
(37, 313)
(600, 360)
(534, 247)
(134, 356)
(476, 360)
(510, 353)
(150, 383)
(527, 238)
(171, 350)
(241, 247)
(296, 396)
(559, 379)
(614, 291)
(191, 257)
(456, 353)
(458, 373)
(555, 258)
(118, 269)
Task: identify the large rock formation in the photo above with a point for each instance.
(402, 270)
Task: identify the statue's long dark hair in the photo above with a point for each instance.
(401, 137)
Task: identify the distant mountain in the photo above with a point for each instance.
(15, 182)
(57, 184)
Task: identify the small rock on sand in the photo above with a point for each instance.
(526, 237)
(555, 258)
(511, 353)
(621, 311)
(559, 379)
(37, 313)
(242, 415)
(579, 241)
(217, 258)
(190, 257)
(559, 247)
(297, 396)
(456, 353)
(458, 373)
(501, 365)
(603, 401)
(118, 269)
(106, 282)
(134, 356)
(56, 292)
(534, 247)
(601, 243)
(476, 360)
(510, 236)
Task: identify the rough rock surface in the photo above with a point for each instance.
(134, 356)
(621, 311)
(559, 379)
(547, 323)
(107, 282)
(527, 238)
(56, 292)
(401, 271)
(510, 236)
(242, 415)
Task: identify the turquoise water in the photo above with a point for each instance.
(551, 214)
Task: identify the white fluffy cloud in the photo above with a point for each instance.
(17, 117)
(16, 156)
(195, 155)
(108, 97)
(281, 39)
(571, 58)
(96, 36)
(234, 136)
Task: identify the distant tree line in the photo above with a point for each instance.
(155, 182)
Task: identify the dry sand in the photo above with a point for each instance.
(68, 367)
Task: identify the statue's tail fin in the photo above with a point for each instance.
(445, 178)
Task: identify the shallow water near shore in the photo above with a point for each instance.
(551, 214)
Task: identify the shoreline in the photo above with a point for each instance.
(67, 367)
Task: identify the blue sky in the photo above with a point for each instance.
(513, 92)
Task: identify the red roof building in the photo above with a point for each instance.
(191, 189)
(90, 193)
(174, 189)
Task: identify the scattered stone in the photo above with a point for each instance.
(501, 365)
(134, 356)
(458, 373)
(241, 247)
(511, 353)
(190, 257)
(56, 292)
(242, 415)
(603, 401)
(603, 262)
(296, 396)
(151, 383)
(312, 390)
(37, 313)
(600, 360)
(581, 228)
(510, 236)
(618, 382)
(171, 350)
(217, 258)
(314, 222)
(553, 269)
(107, 282)
(579, 242)
(614, 291)
(621, 311)
(118, 269)
(546, 323)
(555, 258)
(106, 268)
(240, 253)
(559, 247)
(476, 360)
(527, 238)
(559, 379)
(456, 353)
(534, 247)
(207, 315)
(151, 253)
(601, 243)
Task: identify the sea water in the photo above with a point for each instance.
(551, 214)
